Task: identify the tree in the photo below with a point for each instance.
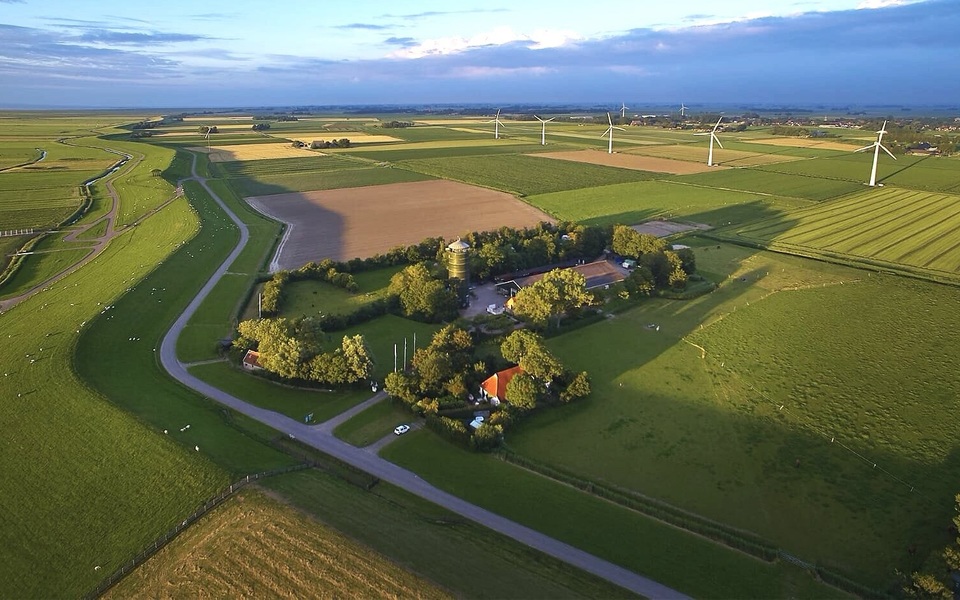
(523, 391)
(629, 242)
(421, 296)
(560, 291)
(578, 387)
(527, 350)
(688, 260)
(357, 356)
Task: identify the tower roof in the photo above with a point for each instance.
(458, 245)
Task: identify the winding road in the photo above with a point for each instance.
(320, 437)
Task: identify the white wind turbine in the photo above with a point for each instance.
(496, 128)
(623, 110)
(543, 129)
(713, 138)
(877, 145)
(609, 132)
(682, 108)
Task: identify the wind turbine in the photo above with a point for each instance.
(623, 110)
(543, 129)
(682, 108)
(609, 132)
(713, 138)
(877, 145)
(496, 128)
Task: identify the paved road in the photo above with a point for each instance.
(378, 467)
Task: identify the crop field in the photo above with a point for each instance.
(523, 175)
(219, 154)
(13, 154)
(306, 181)
(725, 410)
(774, 184)
(433, 134)
(917, 229)
(630, 161)
(721, 156)
(224, 555)
(630, 203)
(816, 143)
(348, 223)
(452, 149)
(355, 137)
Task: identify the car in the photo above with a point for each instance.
(401, 429)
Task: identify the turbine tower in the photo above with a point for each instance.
(496, 127)
(682, 108)
(877, 145)
(623, 110)
(609, 132)
(713, 138)
(543, 129)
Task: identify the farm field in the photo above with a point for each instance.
(219, 154)
(630, 203)
(725, 157)
(224, 554)
(881, 226)
(348, 223)
(630, 161)
(523, 175)
(774, 184)
(817, 143)
(355, 137)
(709, 434)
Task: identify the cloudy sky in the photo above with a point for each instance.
(105, 53)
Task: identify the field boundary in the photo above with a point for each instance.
(225, 494)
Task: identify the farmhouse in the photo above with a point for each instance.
(597, 273)
(251, 361)
(494, 388)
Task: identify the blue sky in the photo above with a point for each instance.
(301, 52)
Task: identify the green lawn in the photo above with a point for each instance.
(372, 424)
(37, 268)
(309, 297)
(609, 531)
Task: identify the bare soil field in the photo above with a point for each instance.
(219, 154)
(792, 142)
(256, 547)
(631, 161)
(668, 228)
(364, 221)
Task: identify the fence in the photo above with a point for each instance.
(16, 232)
(162, 541)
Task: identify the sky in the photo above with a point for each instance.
(107, 53)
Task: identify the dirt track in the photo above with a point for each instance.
(360, 222)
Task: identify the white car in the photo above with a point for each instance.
(401, 429)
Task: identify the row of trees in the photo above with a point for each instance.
(657, 267)
(325, 270)
(293, 349)
(261, 126)
(424, 295)
(322, 144)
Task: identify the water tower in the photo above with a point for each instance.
(458, 264)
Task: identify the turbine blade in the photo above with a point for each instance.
(717, 140)
(864, 148)
(884, 148)
(718, 123)
(609, 120)
(620, 128)
(705, 133)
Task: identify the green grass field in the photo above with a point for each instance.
(707, 434)
(886, 225)
(631, 203)
(609, 531)
(775, 184)
(310, 297)
(524, 175)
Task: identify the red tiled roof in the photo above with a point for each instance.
(252, 358)
(496, 384)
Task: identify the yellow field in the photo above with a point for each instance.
(630, 161)
(210, 118)
(451, 121)
(441, 144)
(220, 154)
(793, 142)
(357, 137)
(698, 153)
(255, 547)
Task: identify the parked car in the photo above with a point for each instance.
(401, 429)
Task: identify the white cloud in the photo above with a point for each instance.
(536, 40)
(884, 3)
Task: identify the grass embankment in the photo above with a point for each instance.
(675, 558)
(467, 559)
(87, 483)
(254, 546)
